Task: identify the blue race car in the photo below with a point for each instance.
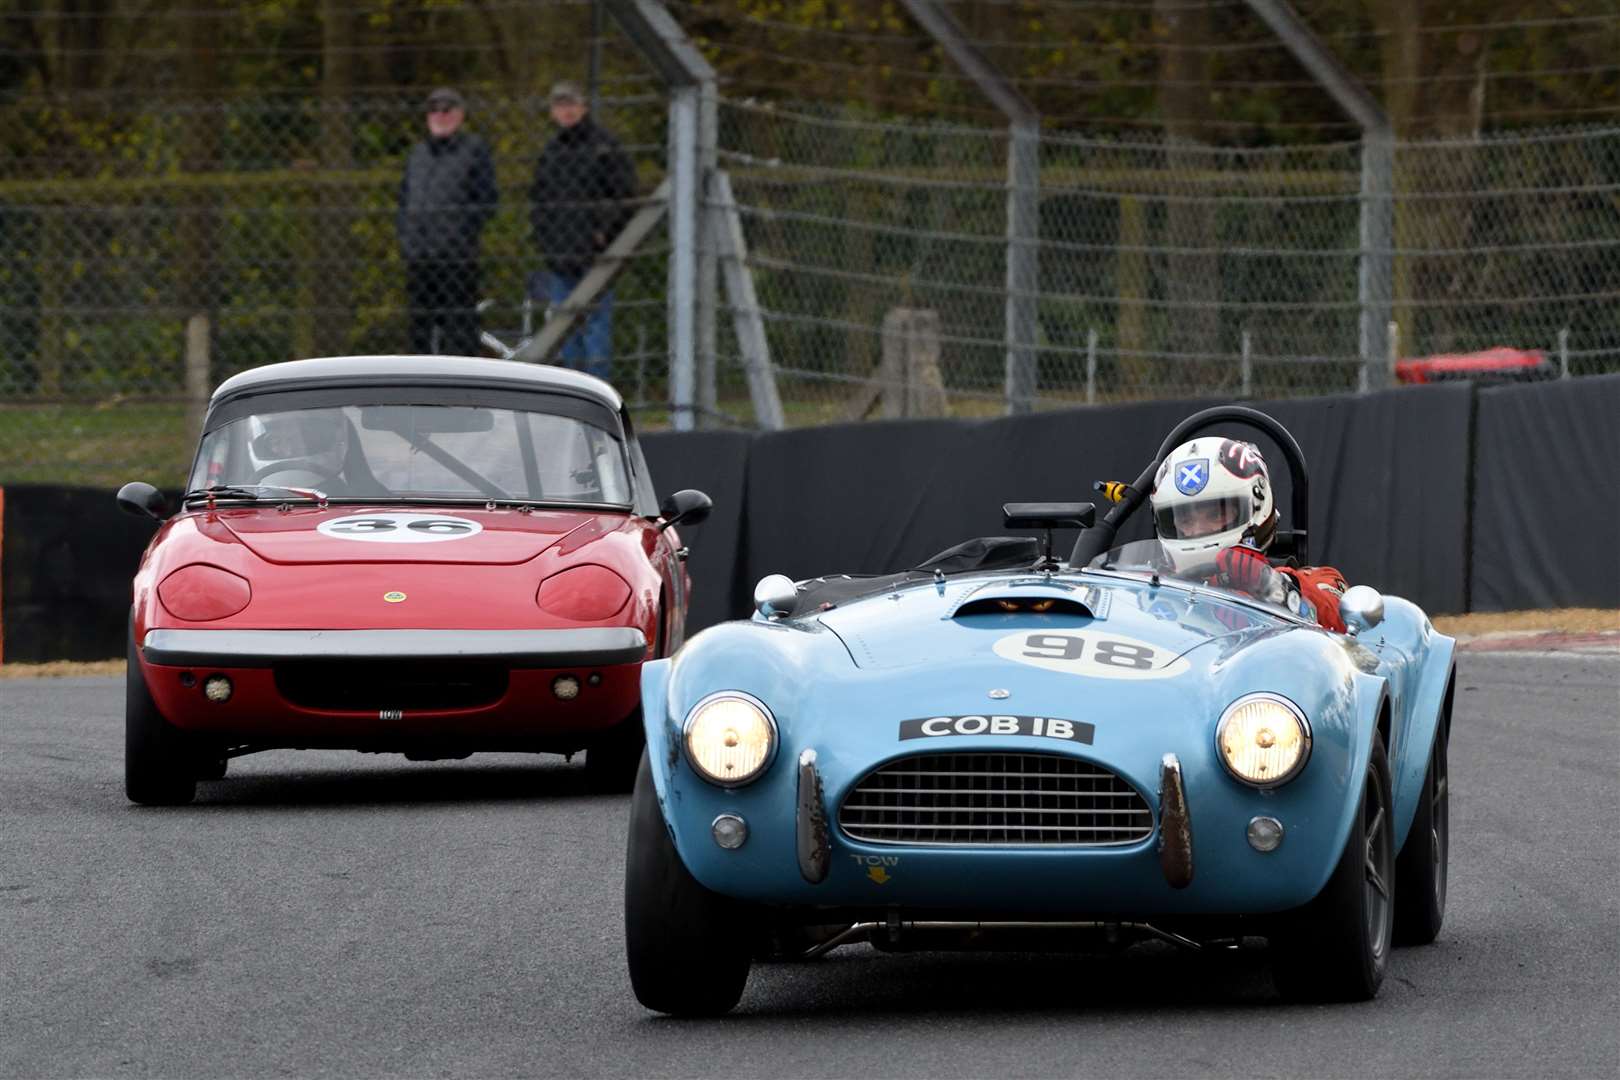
(999, 749)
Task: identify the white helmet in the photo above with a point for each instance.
(1211, 494)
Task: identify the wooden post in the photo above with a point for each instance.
(908, 380)
(1091, 366)
(196, 374)
(1247, 366)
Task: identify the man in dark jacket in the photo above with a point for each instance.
(581, 197)
(446, 196)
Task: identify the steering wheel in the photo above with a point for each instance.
(1094, 542)
(323, 474)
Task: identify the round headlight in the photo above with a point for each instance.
(729, 738)
(1264, 739)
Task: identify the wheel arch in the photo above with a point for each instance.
(1428, 716)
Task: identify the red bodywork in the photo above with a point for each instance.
(1500, 363)
(297, 578)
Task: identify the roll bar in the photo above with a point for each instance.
(1095, 541)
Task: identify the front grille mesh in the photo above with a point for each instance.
(1019, 800)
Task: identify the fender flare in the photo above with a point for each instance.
(1431, 704)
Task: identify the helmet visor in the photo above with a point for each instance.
(1206, 517)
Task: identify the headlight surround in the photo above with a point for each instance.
(730, 738)
(1263, 740)
(199, 592)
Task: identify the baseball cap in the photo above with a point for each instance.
(445, 98)
(567, 90)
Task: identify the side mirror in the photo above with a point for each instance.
(143, 500)
(686, 507)
(776, 596)
(1361, 607)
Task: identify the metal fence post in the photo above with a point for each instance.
(1376, 275)
(1246, 366)
(1563, 353)
(707, 263)
(683, 211)
(1091, 366)
(1023, 261)
(1023, 194)
(196, 374)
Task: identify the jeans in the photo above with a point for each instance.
(443, 296)
(590, 348)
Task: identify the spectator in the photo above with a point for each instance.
(447, 194)
(580, 199)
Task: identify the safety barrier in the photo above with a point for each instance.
(1457, 497)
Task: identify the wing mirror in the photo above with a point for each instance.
(686, 507)
(143, 500)
(776, 596)
(1361, 607)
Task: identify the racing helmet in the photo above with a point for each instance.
(300, 447)
(1211, 494)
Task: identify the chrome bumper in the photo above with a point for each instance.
(585, 647)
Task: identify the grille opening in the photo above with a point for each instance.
(978, 799)
(367, 686)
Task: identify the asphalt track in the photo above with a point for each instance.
(339, 915)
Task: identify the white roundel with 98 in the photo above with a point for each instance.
(1093, 653)
(399, 528)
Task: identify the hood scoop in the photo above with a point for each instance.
(1035, 595)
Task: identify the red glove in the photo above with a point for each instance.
(1321, 586)
(1243, 568)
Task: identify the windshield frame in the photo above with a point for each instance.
(269, 400)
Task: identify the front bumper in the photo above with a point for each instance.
(583, 647)
(516, 708)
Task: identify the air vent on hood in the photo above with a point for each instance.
(1023, 605)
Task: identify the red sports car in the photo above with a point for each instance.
(420, 555)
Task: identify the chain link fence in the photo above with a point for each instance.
(1164, 268)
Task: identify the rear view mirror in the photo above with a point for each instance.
(1361, 607)
(426, 419)
(143, 500)
(686, 507)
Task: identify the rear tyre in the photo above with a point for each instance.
(1336, 948)
(159, 766)
(1420, 896)
(688, 948)
(611, 761)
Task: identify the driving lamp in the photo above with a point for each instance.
(729, 738)
(1263, 739)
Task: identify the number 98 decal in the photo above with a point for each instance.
(1097, 654)
(398, 528)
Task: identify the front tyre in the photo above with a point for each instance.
(1420, 871)
(159, 768)
(1336, 948)
(688, 948)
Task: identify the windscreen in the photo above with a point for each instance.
(419, 451)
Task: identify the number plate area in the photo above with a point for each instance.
(1092, 654)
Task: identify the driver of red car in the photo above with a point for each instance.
(303, 447)
(1215, 517)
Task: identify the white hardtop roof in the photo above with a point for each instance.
(405, 370)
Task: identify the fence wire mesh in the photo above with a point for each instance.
(1165, 270)
(244, 164)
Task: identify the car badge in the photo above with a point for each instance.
(1192, 476)
(1000, 695)
(394, 597)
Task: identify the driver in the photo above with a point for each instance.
(301, 448)
(1215, 517)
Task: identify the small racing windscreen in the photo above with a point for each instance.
(419, 451)
(1206, 517)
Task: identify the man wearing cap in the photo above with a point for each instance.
(581, 197)
(446, 196)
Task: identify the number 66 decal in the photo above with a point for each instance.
(1097, 654)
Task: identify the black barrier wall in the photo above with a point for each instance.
(1546, 512)
(1457, 499)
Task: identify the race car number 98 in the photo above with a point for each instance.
(1098, 655)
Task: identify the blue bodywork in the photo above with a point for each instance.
(840, 682)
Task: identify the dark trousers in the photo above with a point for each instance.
(443, 296)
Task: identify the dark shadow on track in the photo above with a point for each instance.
(1018, 988)
(405, 785)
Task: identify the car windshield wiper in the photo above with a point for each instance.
(251, 491)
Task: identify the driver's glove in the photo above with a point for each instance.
(1245, 569)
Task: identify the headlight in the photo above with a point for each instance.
(730, 737)
(1264, 739)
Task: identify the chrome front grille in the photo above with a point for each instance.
(1016, 800)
